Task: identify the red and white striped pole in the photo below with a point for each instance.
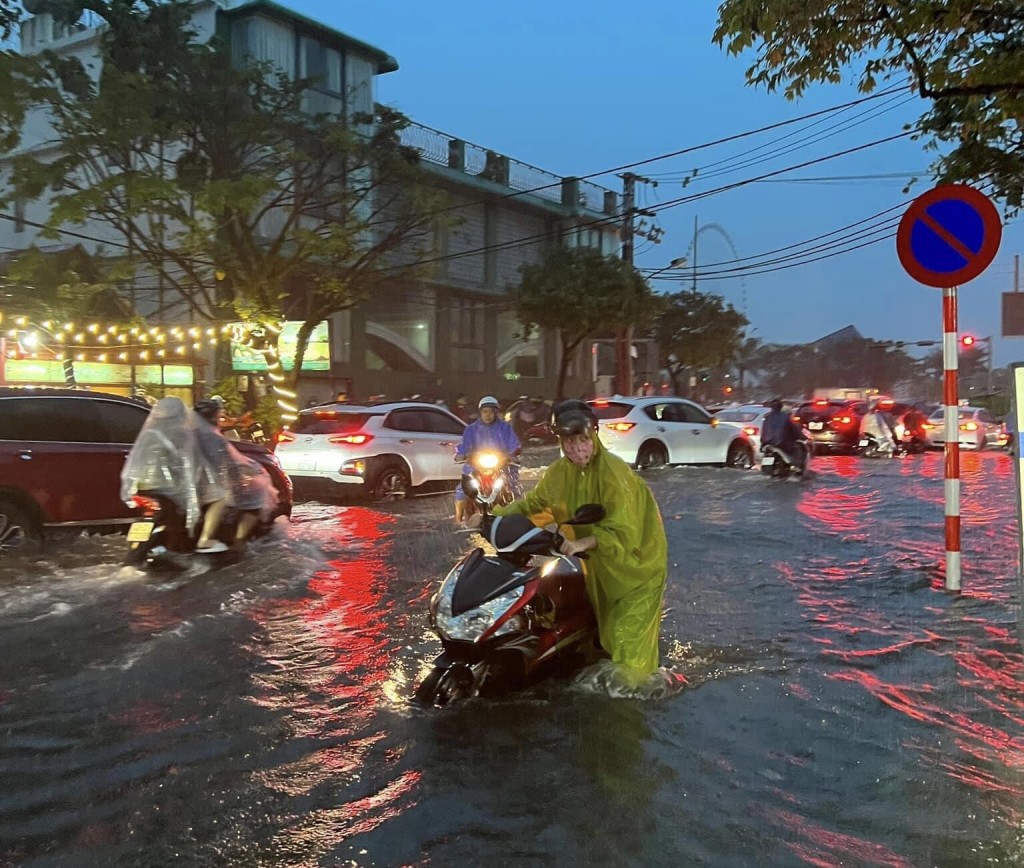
(951, 425)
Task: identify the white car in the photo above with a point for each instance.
(978, 429)
(749, 418)
(651, 432)
(382, 450)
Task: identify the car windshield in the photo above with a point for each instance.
(738, 415)
(610, 409)
(329, 422)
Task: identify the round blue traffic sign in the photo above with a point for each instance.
(948, 236)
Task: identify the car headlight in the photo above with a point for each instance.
(471, 625)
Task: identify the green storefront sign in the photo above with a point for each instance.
(96, 373)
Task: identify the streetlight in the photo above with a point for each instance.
(678, 262)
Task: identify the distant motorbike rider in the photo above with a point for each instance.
(780, 431)
(490, 431)
(628, 560)
(165, 463)
(876, 424)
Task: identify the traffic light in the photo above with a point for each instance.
(967, 342)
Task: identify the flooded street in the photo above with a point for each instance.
(841, 709)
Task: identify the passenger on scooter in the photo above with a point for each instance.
(228, 478)
(628, 561)
(490, 431)
(164, 463)
(779, 430)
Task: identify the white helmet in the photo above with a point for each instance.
(488, 401)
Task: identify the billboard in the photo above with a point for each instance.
(316, 358)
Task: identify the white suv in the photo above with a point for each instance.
(382, 450)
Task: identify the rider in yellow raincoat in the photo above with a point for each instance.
(628, 560)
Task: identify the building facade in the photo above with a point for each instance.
(449, 333)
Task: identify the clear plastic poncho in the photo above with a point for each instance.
(165, 459)
(227, 474)
(626, 573)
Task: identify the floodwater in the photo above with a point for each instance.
(841, 709)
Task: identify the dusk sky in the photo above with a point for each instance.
(579, 87)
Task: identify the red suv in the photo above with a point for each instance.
(61, 454)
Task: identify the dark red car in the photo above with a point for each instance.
(61, 454)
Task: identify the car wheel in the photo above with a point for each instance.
(651, 455)
(739, 457)
(392, 483)
(16, 527)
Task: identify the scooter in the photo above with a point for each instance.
(509, 619)
(490, 479)
(779, 464)
(869, 447)
(159, 541)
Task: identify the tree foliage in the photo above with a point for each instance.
(964, 56)
(579, 292)
(226, 187)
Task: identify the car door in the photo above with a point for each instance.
(447, 431)
(63, 459)
(118, 424)
(707, 442)
(666, 423)
(413, 439)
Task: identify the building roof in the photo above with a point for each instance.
(847, 333)
(385, 62)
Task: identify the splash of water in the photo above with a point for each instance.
(610, 679)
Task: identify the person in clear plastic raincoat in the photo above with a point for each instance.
(165, 460)
(628, 551)
(228, 479)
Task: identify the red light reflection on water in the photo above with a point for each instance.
(329, 654)
(827, 848)
(837, 511)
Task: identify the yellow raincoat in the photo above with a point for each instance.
(625, 574)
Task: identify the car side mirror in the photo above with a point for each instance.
(589, 513)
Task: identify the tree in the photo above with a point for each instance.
(965, 57)
(225, 187)
(699, 329)
(578, 292)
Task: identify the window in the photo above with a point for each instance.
(406, 420)
(467, 334)
(260, 39)
(400, 332)
(692, 414)
(120, 423)
(322, 66)
(51, 420)
(442, 423)
(329, 422)
(518, 353)
(610, 409)
(657, 412)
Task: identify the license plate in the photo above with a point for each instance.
(300, 461)
(863, 443)
(815, 426)
(768, 461)
(140, 531)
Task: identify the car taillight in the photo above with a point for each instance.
(351, 439)
(927, 425)
(842, 420)
(751, 431)
(969, 426)
(796, 419)
(148, 505)
(621, 427)
(284, 437)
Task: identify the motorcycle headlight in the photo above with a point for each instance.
(487, 461)
(471, 625)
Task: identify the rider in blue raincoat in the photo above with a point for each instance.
(491, 432)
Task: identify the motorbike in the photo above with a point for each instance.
(509, 619)
(779, 464)
(159, 540)
(869, 447)
(490, 479)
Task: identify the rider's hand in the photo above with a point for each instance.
(575, 546)
(459, 458)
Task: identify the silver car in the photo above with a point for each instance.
(978, 429)
(749, 418)
(381, 450)
(651, 432)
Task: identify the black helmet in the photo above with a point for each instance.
(209, 408)
(572, 417)
(774, 404)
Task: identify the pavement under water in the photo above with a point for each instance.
(840, 708)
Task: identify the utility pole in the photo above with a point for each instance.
(695, 233)
(624, 341)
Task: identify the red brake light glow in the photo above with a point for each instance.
(751, 431)
(148, 505)
(821, 402)
(599, 403)
(351, 439)
(621, 427)
(842, 420)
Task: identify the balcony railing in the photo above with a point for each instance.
(445, 150)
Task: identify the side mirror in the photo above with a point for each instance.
(589, 513)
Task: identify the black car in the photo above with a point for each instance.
(832, 425)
